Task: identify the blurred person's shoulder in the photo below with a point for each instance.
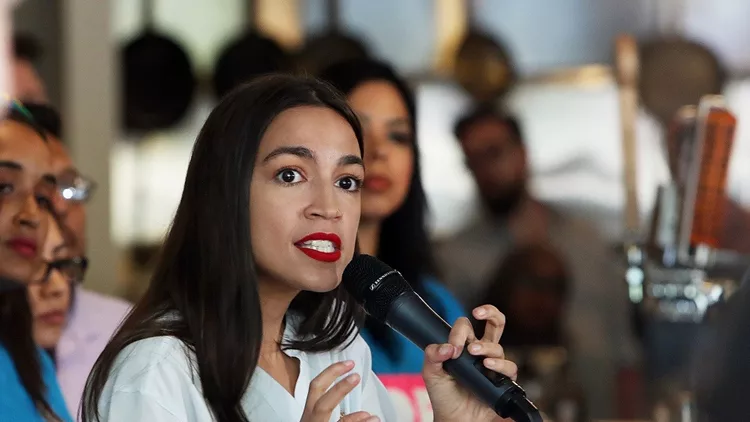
(466, 258)
(101, 303)
(575, 225)
(476, 233)
(107, 311)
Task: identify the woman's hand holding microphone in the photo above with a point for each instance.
(450, 402)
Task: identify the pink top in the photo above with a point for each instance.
(92, 321)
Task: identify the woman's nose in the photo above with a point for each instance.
(30, 214)
(56, 286)
(324, 205)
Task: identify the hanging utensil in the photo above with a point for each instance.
(249, 55)
(483, 66)
(627, 77)
(331, 47)
(158, 78)
(675, 71)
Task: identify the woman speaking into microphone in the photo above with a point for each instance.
(245, 318)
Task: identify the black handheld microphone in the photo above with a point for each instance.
(388, 298)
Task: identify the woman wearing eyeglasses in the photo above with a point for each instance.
(28, 387)
(51, 295)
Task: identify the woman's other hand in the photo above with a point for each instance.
(322, 399)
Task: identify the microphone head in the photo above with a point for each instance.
(374, 284)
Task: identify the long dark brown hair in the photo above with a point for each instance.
(206, 272)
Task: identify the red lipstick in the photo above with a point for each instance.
(23, 246)
(324, 247)
(53, 317)
(377, 184)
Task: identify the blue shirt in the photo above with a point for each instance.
(411, 357)
(16, 404)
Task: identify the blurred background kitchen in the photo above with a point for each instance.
(617, 294)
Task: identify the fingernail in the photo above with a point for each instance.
(445, 349)
(475, 348)
(490, 363)
(457, 351)
(348, 363)
(352, 379)
(480, 312)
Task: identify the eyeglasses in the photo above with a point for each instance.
(75, 187)
(73, 269)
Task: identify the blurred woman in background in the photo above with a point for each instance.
(394, 204)
(28, 388)
(50, 298)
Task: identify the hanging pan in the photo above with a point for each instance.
(483, 66)
(332, 47)
(676, 72)
(249, 55)
(158, 79)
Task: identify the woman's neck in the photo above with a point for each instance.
(275, 299)
(369, 237)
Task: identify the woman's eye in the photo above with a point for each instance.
(401, 137)
(289, 176)
(349, 183)
(6, 188)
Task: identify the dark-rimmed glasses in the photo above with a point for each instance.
(72, 269)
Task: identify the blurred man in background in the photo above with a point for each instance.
(597, 317)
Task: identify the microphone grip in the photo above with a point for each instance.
(414, 319)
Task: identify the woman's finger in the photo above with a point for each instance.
(331, 399)
(505, 367)
(359, 417)
(320, 384)
(486, 349)
(495, 322)
(434, 356)
(461, 333)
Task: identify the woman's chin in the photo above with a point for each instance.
(317, 284)
(22, 273)
(323, 287)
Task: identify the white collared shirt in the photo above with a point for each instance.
(153, 380)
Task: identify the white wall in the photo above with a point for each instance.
(90, 106)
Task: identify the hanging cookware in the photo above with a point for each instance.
(158, 79)
(251, 54)
(331, 47)
(483, 65)
(675, 71)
